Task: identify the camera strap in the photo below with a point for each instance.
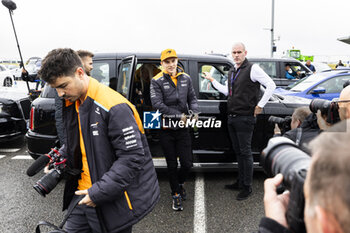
(299, 133)
(58, 229)
(48, 224)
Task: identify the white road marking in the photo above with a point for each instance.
(22, 157)
(2, 156)
(9, 150)
(199, 205)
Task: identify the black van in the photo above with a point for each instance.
(130, 75)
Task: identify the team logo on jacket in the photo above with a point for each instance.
(94, 128)
(151, 120)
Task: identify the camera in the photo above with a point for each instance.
(327, 108)
(48, 182)
(57, 165)
(283, 123)
(283, 156)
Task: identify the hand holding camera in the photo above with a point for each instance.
(55, 165)
(275, 205)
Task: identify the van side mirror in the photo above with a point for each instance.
(226, 68)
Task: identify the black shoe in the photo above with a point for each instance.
(244, 194)
(183, 192)
(234, 186)
(177, 202)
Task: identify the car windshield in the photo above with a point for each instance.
(306, 82)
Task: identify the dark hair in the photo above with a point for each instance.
(58, 63)
(85, 53)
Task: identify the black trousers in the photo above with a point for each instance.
(177, 143)
(83, 219)
(241, 130)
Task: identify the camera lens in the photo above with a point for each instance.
(283, 156)
(47, 183)
(320, 104)
(277, 120)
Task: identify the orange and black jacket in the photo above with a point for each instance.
(173, 99)
(124, 182)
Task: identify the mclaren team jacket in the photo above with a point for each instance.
(171, 99)
(124, 182)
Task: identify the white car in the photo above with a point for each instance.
(6, 77)
(15, 70)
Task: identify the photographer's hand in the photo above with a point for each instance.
(86, 200)
(46, 169)
(277, 130)
(321, 121)
(275, 205)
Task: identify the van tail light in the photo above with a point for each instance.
(31, 120)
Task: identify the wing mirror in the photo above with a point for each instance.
(319, 90)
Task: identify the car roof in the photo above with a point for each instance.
(331, 72)
(284, 59)
(156, 56)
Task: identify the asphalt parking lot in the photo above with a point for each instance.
(209, 208)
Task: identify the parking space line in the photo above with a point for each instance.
(199, 221)
(9, 150)
(2, 156)
(22, 157)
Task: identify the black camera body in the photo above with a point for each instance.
(283, 123)
(57, 166)
(327, 108)
(283, 156)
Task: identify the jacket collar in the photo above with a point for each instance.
(179, 71)
(244, 64)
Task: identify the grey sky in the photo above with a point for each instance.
(189, 26)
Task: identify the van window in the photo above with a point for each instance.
(219, 72)
(124, 79)
(296, 70)
(269, 67)
(104, 72)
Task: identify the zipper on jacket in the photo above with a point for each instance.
(128, 200)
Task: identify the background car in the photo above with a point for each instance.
(6, 77)
(33, 65)
(127, 73)
(14, 115)
(323, 85)
(15, 70)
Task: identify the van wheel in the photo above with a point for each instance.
(7, 82)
